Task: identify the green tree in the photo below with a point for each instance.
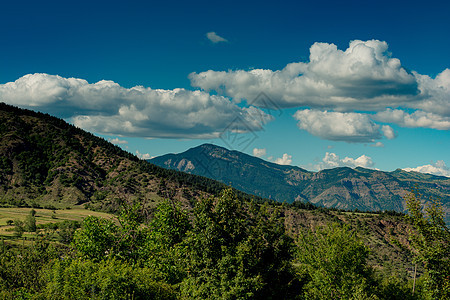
(19, 227)
(163, 250)
(96, 238)
(431, 240)
(30, 222)
(236, 251)
(66, 231)
(131, 235)
(20, 269)
(334, 259)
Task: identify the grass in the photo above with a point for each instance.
(43, 216)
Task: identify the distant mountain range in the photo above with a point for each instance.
(344, 188)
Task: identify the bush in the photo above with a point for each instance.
(110, 279)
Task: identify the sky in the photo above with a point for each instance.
(315, 85)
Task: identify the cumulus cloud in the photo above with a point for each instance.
(378, 145)
(416, 119)
(143, 155)
(331, 160)
(286, 159)
(215, 38)
(363, 77)
(337, 126)
(434, 93)
(439, 168)
(117, 141)
(106, 107)
(388, 132)
(259, 152)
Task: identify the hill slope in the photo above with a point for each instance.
(45, 161)
(344, 188)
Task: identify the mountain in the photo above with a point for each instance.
(46, 162)
(343, 188)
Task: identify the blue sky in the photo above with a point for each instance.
(354, 83)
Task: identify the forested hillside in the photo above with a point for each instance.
(46, 162)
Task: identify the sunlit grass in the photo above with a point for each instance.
(43, 216)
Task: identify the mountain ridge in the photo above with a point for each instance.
(45, 161)
(342, 187)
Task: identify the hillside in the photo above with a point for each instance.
(46, 162)
(343, 188)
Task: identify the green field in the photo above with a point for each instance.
(43, 216)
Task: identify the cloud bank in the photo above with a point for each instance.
(414, 120)
(439, 168)
(341, 95)
(336, 126)
(106, 107)
(362, 78)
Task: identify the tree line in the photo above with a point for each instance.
(226, 248)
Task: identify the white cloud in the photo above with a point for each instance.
(439, 168)
(285, 160)
(416, 119)
(106, 107)
(378, 145)
(215, 38)
(331, 160)
(363, 77)
(259, 152)
(388, 132)
(337, 126)
(434, 93)
(117, 141)
(143, 155)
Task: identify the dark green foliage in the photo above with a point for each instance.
(30, 222)
(335, 260)
(96, 239)
(108, 279)
(432, 242)
(237, 251)
(21, 268)
(19, 227)
(67, 230)
(226, 248)
(162, 250)
(232, 249)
